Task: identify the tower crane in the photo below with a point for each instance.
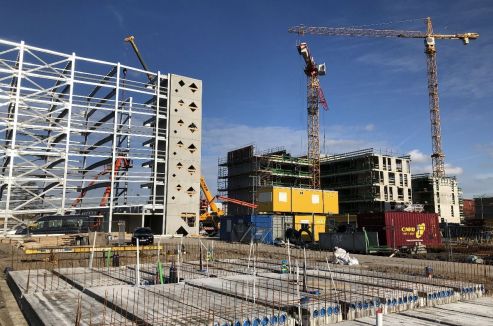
(438, 157)
(315, 97)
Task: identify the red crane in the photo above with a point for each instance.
(120, 163)
(315, 97)
(429, 37)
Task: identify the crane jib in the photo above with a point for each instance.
(438, 161)
(341, 31)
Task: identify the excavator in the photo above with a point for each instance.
(209, 218)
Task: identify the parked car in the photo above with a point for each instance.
(145, 236)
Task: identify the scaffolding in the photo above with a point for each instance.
(245, 169)
(78, 135)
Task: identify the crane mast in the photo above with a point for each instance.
(314, 98)
(438, 156)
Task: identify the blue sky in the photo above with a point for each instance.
(254, 86)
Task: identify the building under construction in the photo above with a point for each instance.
(244, 170)
(438, 195)
(85, 136)
(368, 180)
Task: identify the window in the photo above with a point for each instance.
(400, 194)
(55, 223)
(398, 164)
(392, 179)
(452, 211)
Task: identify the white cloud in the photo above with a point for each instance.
(219, 137)
(485, 148)
(484, 176)
(449, 169)
(118, 16)
(471, 75)
(453, 170)
(418, 157)
(370, 127)
(421, 163)
(475, 185)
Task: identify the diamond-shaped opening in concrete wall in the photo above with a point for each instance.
(178, 187)
(179, 165)
(192, 127)
(193, 87)
(181, 83)
(180, 143)
(192, 169)
(191, 191)
(193, 106)
(180, 102)
(192, 148)
(182, 231)
(180, 122)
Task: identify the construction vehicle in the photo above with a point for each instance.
(315, 96)
(121, 163)
(131, 39)
(210, 219)
(429, 37)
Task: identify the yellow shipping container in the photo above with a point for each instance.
(331, 202)
(316, 224)
(307, 201)
(297, 200)
(274, 199)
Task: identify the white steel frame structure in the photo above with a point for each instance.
(79, 135)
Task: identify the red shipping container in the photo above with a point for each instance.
(398, 229)
(469, 209)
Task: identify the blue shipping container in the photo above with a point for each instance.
(244, 228)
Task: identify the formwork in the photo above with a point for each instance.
(94, 137)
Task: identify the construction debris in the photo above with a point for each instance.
(342, 257)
